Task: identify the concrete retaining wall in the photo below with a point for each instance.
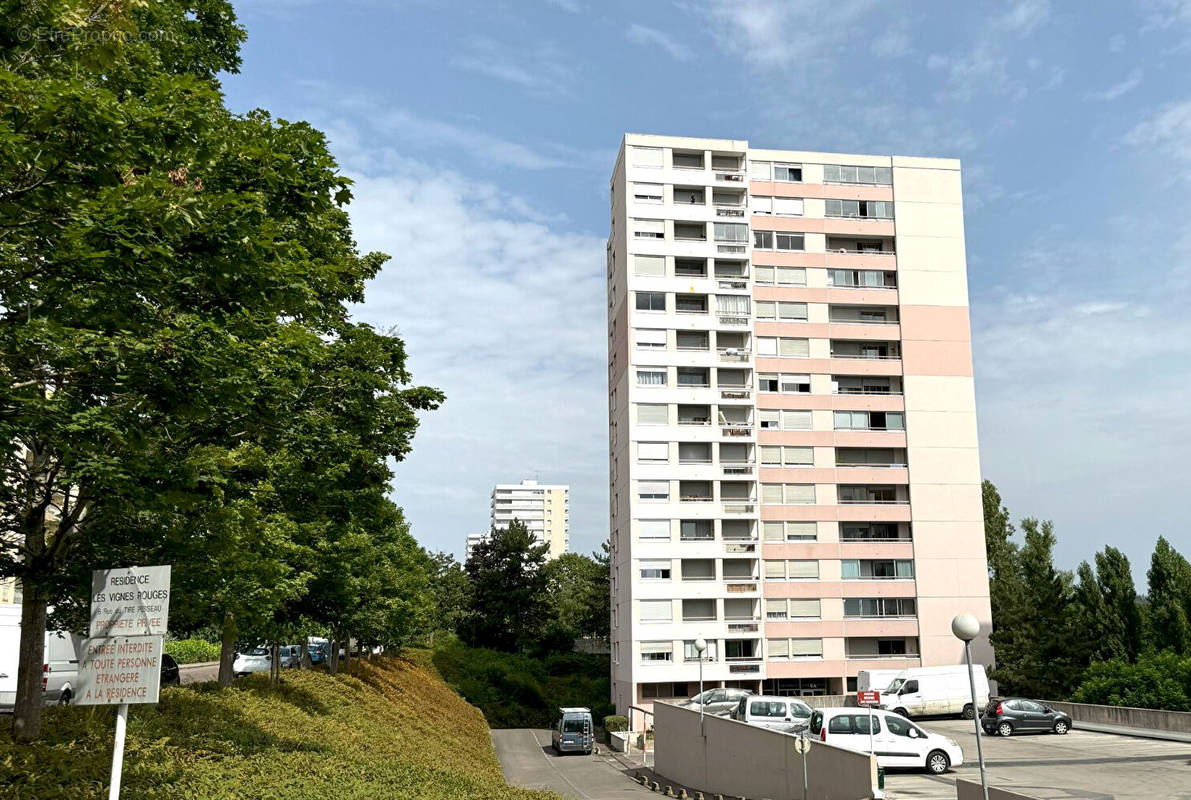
(1177, 721)
(969, 790)
(830, 700)
(747, 761)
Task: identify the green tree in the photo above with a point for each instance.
(508, 607)
(1167, 626)
(579, 595)
(1122, 631)
(1156, 680)
(451, 588)
(1010, 636)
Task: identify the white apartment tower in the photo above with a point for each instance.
(794, 472)
(545, 510)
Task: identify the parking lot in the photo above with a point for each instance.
(1082, 764)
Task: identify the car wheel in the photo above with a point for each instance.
(64, 698)
(968, 713)
(1005, 729)
(902, 712)
(1061, 726)
(937, 762)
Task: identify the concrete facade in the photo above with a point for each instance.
(793, 464)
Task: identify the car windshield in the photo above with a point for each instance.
(572, 726)
(799, 710)
(259, 651)
(895, 685)
(702, 698)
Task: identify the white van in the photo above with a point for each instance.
(895, 740)
(787, 714)
(875, 679)
(920, 691)
(61, 657)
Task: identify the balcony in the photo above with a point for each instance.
(738, 468)
(873, 495)
(861, 247)
(866, 385)
(690, 304)
(690, 268)
(744, 627)
(740, 547)
(694, 415)
(732, 320)
(733, 354)
(740, 588)
(865, 351)
(739, 508)
(736, 394)
(733, 283)
(754, 667)
(862, 315)
(690, 232)
(688, 160)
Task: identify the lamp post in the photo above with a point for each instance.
(966, 627)
(700, 648)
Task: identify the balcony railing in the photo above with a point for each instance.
(736, 394)
(743, 627)
(746, 430)
(744, 668)
(865, 356)
(863, 321)
(734, 284)
(695, 421)
(740, 588)
(846, 251)
(738, 467)
(696, 498)
(861, 465)
(873, 502)
(734, 320)
(729, 212)
(698, 619)
(740, 547)
(730, 248)
(875, 657)
(730, 177)
(739, 508)
(734, 354)
(895, 392)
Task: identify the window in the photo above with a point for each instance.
(776, 609)
(798, 570)
(768, 419)
(653, 491)
(804, 609)
(778, 649)
(653, 452)
(732, 306)
(763, 240)
(760, 170)
(647, 192)
(787, 493)
(655, 570)
(862, 278)
(775, 456)
(691, 530)
(693, 376)
(779, 276)
(790, 531)
(792, 312)
(690, 303)
(653, 530)
(690, 231)
(657, 651)
(879, 607)
(796, 384)
(651, 301)
(891, 647)
(690, 267)
(839, 173)
(656, 610)
(651, 376)
(731, 232)
(788, 173)
(694, 453)
(649, 338)
(698, 609)
(689, 653)
(649, 229)
(645, 157)
(779, 206)
(649, 265)
(806, 648)
(653, 414)
(687, 160)
(796, 420)
(862, 209)
(869, 532)
(788, 241)
(870, 420)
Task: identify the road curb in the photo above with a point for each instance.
(1136, 733)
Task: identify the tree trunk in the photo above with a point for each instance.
(333, 654)
(303, 656)
(274, 663)
(26, 714)
(347, 654)
(227, 649)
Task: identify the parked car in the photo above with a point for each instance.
(718, 701)
(572, 731)
(875, 679)
(257, 659)
(936, 690)
(290, 655)
(60, 672)
(787, 714)
(1009, 715)
(316, 650)
(895, 740)
(170, 676)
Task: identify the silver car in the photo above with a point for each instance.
(718, 701)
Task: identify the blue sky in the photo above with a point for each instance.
(481, 136)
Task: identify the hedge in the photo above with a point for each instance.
(192, 651)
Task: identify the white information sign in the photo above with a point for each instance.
(119, 669)
(130, 601)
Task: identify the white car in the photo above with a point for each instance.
(786, 714)
(895, 740)
(255, 660)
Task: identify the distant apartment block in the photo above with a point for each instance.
(474, 540)
(545, 510)
(794, 473)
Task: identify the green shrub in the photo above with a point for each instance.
(1161, 681)
(519, 691)
(192, 651)
(614, 723)
(391, 729)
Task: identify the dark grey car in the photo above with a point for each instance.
(1006, 716)
(718, 701)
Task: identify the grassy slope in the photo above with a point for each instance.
(392, 730)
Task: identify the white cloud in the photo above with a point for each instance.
(643, 35)
(1024, 16)
(1118, 89)
(1168, 130)
(983, 69)
(775, 33)
(541, 70)
(506, 316)
(570, 6)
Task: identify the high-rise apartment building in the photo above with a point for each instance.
(793, 457)
(545, 510)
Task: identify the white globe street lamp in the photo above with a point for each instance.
(966, 628)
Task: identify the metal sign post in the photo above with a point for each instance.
(133, 602)
(869, 698)
(802, 745)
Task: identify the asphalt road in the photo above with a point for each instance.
(1083, 764)
(527, 761)
(198, 673)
